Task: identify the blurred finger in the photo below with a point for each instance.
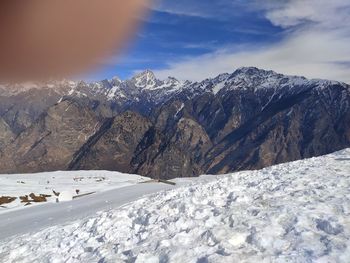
(44, 39)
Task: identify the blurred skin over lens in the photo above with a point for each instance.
(58, 38)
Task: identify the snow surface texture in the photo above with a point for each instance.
(16, 185)
(21, 221)
(294, 212)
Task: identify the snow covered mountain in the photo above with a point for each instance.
(293, 212)
(145, 89)
(145, 86)
(247, 119)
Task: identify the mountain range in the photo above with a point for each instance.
(249, 119)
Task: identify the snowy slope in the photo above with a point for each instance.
(293, 212)
(21, 221)
(16, 185)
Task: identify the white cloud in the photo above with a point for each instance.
(317, 45)
(327, 14)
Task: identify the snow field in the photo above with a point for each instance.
(293, 212)
(17, 185)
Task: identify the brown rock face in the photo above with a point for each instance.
(21, 105)
(176, 154)
(299, 126)
(6, 134)
(50, 143)
(115, 148)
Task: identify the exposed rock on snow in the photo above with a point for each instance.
(293, 212)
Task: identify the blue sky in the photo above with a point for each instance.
(195, 39)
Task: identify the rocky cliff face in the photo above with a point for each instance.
(6, 134)
(116, 145)
(51, 141)
(164, 129)
(174, 146)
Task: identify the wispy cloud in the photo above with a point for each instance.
(179, 8)
(202, 8)
(316, 44)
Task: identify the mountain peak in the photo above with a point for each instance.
(172, 80)
(145, 74)
(251, 71)
(145, 79)
(115, 80)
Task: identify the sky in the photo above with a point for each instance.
(197, 39)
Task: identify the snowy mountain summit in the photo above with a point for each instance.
(145, 79)
(242, 78)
